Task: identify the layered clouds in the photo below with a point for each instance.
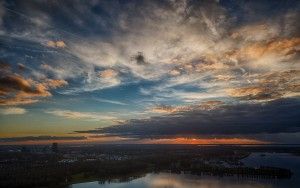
(222, 121)
(17, 89)
(193, 64)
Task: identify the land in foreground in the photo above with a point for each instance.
(45, 166)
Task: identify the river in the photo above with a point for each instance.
(168, 180)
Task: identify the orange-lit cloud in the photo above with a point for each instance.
(56, 44)
(165, 109)
(246, 91)
(202, 141)
(207, 105)
(269, 86)
(16, 89)
(108, 73)
(174, 72)
(256, 50)
(50, 83)
(35, 140)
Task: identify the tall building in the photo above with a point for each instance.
(54, 147)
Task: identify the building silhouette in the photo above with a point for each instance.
(54, 147)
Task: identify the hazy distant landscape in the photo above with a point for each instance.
(61, 166)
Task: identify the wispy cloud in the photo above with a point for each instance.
(12, 111)
(169, 46)
(109, 101)
(89, 116)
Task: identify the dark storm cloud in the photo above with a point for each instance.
(140, 59)
(41, 138)
(281, 116)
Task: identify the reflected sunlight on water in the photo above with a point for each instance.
(168, 180)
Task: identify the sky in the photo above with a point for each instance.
(150, 72)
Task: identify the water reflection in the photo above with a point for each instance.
(168, 180)
(281, 160)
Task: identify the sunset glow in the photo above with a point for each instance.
(173, 72)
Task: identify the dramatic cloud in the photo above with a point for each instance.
(16, 89)
(270, 86)
(12, 110)
(196, 67)
(253, 93)
(227, 120)
(192, 41)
